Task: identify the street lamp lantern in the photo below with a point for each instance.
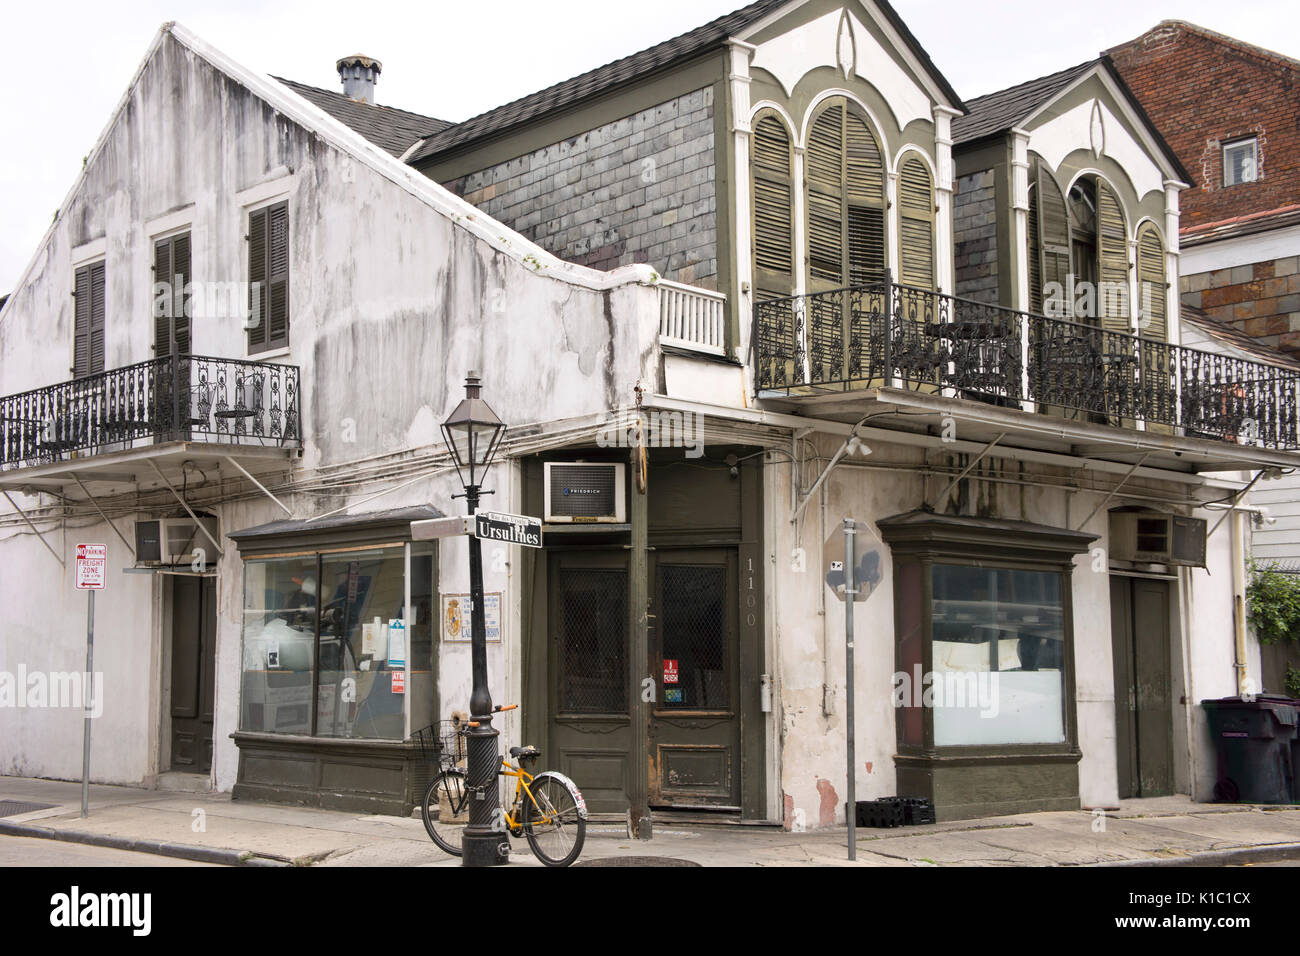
(472, 433)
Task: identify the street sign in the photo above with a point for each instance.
(513, 529)
(867, 565)
(433, 528)
(92, 566)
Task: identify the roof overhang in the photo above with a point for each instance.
(1027, 434)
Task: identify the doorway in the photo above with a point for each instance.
(694, 723)
(194, 657)
(1140, 639)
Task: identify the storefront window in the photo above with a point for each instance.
(998, 656)
(329, 649)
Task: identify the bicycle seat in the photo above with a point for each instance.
(525, 753)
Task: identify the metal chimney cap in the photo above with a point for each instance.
(358, 59)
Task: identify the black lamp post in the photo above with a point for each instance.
(472, 433)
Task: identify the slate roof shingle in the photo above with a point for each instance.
(387, 127)
(693, 43)
(1236, 338)
(1005, 109)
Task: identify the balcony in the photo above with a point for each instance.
(889, 336)
(190, 399)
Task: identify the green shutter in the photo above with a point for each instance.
(916, 225)
(1052, 236)
(1112, 253)
(172, 266)
(845, 200)
(97, 306)
(257, 297)
(773, 198)
(1152, 284)
(81, 325)
(278, 275)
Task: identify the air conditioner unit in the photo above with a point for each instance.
(171, 541)
(1149, 537)
(585, 493)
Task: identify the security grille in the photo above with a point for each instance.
(12, 808)
(593, 641)
(694, 626)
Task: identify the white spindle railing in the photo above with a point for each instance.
(692, 318)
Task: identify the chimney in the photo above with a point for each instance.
(359, 75)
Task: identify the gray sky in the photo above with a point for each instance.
(70, 62)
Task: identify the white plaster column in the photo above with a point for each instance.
(1020, 250)
(943, 233)
(1173, 258)
(739, 53)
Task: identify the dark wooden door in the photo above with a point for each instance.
(1143, 688)
(694, 648)
(194, 646)
(588, 705)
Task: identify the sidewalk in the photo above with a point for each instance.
(213, 828)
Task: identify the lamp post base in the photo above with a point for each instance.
(484, 849)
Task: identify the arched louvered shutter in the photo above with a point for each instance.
(845, 200)
(1049, 239)
(773, 197)
(1112, 255)
(915, 225)
(1152, 285)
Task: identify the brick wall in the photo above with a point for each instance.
(975, 237)
(1202, 90)
(1262, 299)
(638, 190)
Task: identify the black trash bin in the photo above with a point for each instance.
(1255, 742)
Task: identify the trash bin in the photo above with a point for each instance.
(1256, 743)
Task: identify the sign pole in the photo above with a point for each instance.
(850, 590)
(88, 694)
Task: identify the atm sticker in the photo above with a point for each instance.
(672, 695)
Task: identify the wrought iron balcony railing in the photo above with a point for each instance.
(179, 398)
(885, 334)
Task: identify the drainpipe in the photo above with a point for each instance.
(828, 694)
(1239, 599)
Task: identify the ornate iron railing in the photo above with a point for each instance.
(179, 398)
(885, 334)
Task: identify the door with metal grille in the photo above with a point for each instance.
(694, 646)
(591, 731)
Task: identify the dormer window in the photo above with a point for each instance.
(1241, 162)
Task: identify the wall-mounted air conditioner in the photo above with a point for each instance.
(585, 493)
(170, 541)
(1149, 537)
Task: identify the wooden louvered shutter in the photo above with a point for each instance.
(81, 325)
(773, 197)
(1112, 254)
(1152, 285)
(825, 176)
(278, 276)
(916, 225)
(1053, 237)
(88, 328)
(257, 297)
(864, 183)
(172, 267)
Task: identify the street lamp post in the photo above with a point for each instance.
(472, 433)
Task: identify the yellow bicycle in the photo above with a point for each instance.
(547, 809)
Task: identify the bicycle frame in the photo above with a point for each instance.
(522, 780)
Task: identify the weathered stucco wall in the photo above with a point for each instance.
(397, 290)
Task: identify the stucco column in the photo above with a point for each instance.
(943, 233)
(738, 55)
(1173, 258)
(1020, 250)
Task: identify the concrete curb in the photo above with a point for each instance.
(1266, 853)
(183, 851)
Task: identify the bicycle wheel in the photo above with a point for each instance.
(555, 819)
(445, 809)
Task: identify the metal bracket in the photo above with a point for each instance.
(1114, 491)
(95, 504)
(967, 470)
(185, 504)
(260, 486)
(23, 515)
(1235, 499)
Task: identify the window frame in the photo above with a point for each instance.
(1253, 142)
